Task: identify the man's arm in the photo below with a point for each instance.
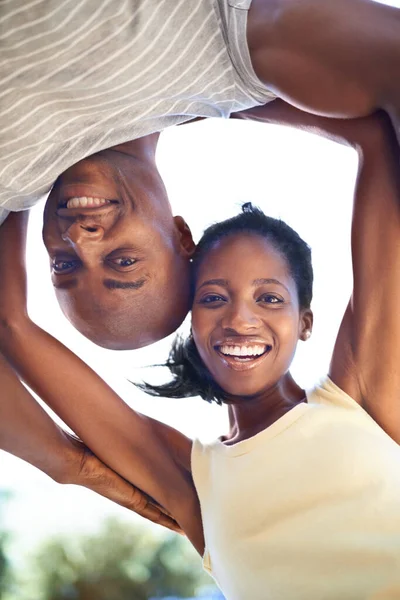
(63, 457)
(145, 452)
(27, 431)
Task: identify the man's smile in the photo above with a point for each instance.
(86, 202)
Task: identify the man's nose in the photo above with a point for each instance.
(80, 232)
(241, 318)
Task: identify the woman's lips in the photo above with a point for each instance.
(243, 358)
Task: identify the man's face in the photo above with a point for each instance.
(119, 260)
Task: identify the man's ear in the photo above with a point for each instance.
(306, 324)
(185, 238)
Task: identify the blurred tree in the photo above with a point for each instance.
(119, 563)
(5, 570)
(4, 567)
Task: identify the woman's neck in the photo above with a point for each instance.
(250, 416)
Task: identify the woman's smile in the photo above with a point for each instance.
(242, 354)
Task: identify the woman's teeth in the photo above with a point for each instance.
(86, 202)
(242, 351)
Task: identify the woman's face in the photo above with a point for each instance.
(246, 319)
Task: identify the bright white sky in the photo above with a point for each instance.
(209, 168)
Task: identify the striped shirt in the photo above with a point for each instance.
(79, 76)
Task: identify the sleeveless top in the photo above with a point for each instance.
(308, 509)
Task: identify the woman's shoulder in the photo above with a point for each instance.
(325, 391)
(340, 408)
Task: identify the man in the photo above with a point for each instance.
(86, 89)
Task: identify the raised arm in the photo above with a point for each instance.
(146, 453)
(366, 358)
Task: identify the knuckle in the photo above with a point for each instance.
(138, 502)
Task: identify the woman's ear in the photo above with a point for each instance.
(185, 238)
(306, 324)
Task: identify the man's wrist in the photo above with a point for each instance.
(375, 131)
(66, 466)
(378, 141)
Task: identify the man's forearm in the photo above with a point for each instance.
(349, 132)
(13, 294)
(28, 432)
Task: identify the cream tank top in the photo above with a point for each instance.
(308, 509)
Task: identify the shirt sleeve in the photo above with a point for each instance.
(3, 214)
(207, 562)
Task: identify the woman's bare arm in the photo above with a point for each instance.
(148, 454)
(366, 358)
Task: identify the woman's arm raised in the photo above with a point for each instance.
(148, 454)
(366, 358)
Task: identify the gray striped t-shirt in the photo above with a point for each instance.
(79, 76)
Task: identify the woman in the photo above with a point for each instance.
(320, 519)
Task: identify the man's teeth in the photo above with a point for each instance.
(86, 202)
(242, 350)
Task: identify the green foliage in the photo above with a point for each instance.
(5, 571)
(119, 563)
(4, 567)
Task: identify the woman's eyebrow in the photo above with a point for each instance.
(225, 282)
(267, 281)
(221, 282)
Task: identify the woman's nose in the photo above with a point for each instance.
(241, 318)
(82, 232)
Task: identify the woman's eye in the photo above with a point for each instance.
(270, 299)
(211, 299)
(64, 266)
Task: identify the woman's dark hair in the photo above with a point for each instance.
(190, 375)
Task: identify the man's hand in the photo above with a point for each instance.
(88, 471)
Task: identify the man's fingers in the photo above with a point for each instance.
(96, 476)
(154, 514)
(147, 508)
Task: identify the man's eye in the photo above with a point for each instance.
(122, 261)
(64, 266)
